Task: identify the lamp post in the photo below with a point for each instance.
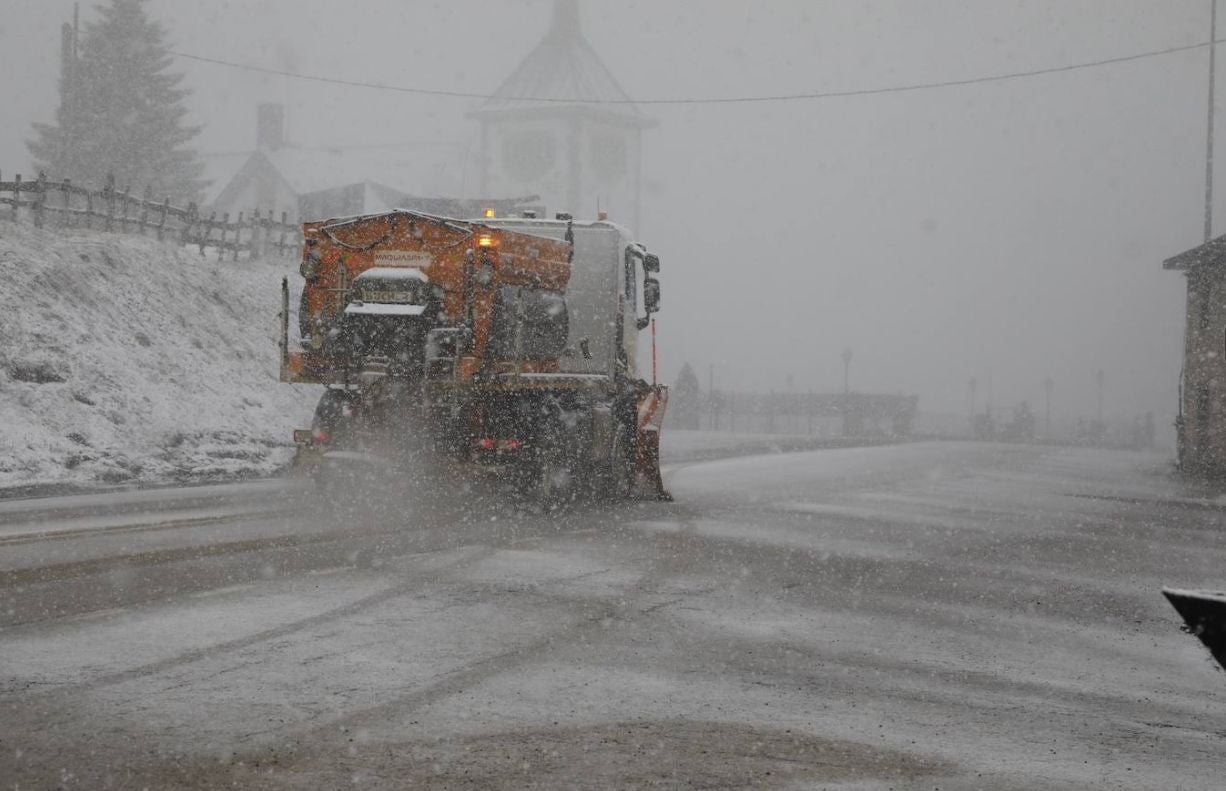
(846, 391)
(1209, 135)
(1101, 379)
(1047, 386)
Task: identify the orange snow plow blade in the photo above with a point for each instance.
(647, 460)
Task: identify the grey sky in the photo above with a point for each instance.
(1015, 227)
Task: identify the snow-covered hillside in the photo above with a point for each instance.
(126, 359)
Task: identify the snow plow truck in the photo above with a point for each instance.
(495, 347)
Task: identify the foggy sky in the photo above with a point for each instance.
(1013, 229)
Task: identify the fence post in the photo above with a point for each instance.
(16, 194)
(208, 231)
(123, 202)
(257, 223)
(66, 191)
(108, 194)
(225, 225)
(162, 219)
(144, 208)
(39, 199)
(266, 238)
(238, 235)
(188, 221)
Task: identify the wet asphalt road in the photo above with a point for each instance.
(935, 615)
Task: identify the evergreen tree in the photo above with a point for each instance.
(121, 113)
(685, 399)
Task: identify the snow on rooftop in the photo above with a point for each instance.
(419, 169)
(219, 169)
(563, 68)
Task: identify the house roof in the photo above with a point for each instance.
(428, 170)
(219, 171)
(1210, 254)
(561, 72)
(434, 170)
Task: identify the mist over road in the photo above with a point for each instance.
(930, 615)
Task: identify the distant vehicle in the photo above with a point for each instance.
(491, 345)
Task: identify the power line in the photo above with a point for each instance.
(782, 97)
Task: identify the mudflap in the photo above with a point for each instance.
(1204, 612)
(649, 481)
(307, 454)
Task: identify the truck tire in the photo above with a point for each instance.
(616, 479)
(332, 416)
(554, 473)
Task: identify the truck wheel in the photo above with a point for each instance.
(554, 470)
(332, 416)
(617, 478)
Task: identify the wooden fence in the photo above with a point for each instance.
(67, 205)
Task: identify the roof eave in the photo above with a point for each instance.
(601, 112)
(1209, 254)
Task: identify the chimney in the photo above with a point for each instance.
(270, 127)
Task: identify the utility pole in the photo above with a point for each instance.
(1209, 135)
(711, 397)
(1047, 386)
(1101, 378)
(846, 391)
(988, 406)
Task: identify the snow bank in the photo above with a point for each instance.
(125, 359)
(679, 445)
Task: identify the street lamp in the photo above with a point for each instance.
(1101, 378)
(847, 391)
(1047, 386)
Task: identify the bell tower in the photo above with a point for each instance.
(561, 127)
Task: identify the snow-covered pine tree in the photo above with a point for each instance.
(685, 400)
(121, 112)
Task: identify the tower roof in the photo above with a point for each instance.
(563, 70)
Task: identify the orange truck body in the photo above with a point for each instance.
(493, 295)
(447, 251)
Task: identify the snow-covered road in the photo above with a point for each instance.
(933, 615)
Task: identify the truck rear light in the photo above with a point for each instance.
(321, 437)
(498, 444)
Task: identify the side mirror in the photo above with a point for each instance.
(651, 263)
(651, 295)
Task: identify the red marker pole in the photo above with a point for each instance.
(653, 352)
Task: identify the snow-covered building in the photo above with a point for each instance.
(560, 126)
(1201, 428)
(318, 183)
